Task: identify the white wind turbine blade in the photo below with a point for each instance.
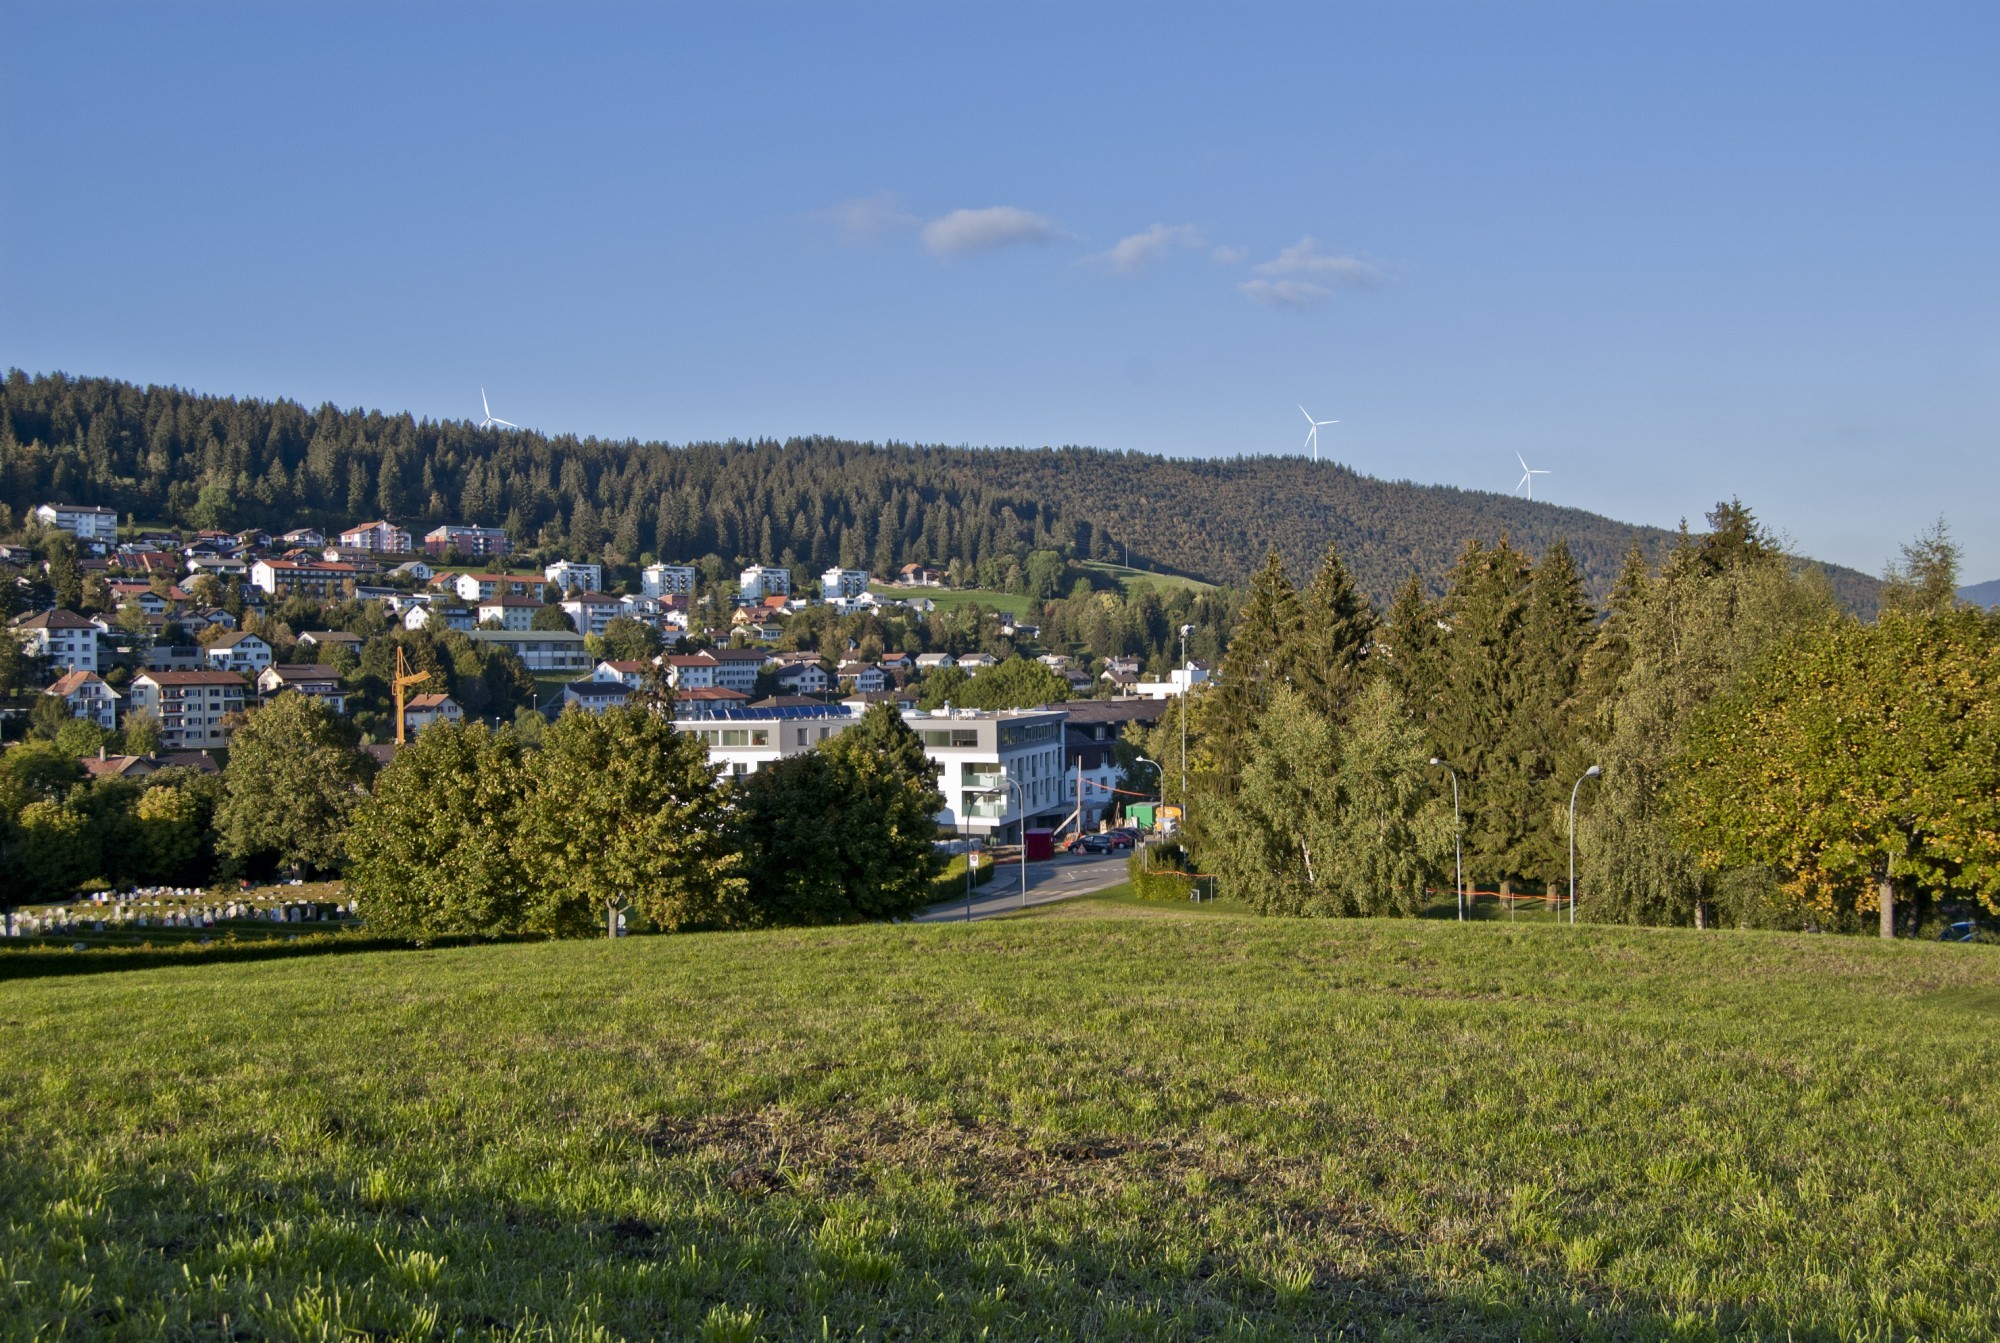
(1309, 418)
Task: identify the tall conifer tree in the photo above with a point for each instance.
(1337, 624)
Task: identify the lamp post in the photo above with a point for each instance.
(1187, 687)
(1021, 806)
(1457, 850)
(1595, 771)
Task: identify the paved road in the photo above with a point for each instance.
(1058, 879)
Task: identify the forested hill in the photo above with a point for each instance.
(161, 454)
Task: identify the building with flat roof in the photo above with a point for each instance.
(760, 581)
(667, 580)
(466, 540)
(1002, 769)
(540, 650)
(743, 740)
(86, 522)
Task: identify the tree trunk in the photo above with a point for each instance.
(1885, 897)
(1700, 913)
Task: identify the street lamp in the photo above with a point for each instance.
(1594, 772)
(1187, 688)
(1021, 806)
(1457, 851)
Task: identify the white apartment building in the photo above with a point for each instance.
(573, 577)
(758, 582)
(191, 705)
(513, 613)
(1003, 769)
(737, 668)
(540, 650)
(88, 698)
(591, 611)
(383, 537)
(63, 638)
(477, 587)
(843, 584)
(85, 523)
(244, 654)
(667, 580)
(743, 741)
(1179, 681)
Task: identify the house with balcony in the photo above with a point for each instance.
(839, 584)
(863, 677)
(87, 523)
(744, 740)
(760, 581)
(320, 682)
(590, 612)
(466, 541)
(737, 668)
(384, 538)
(193, 706)
(804, 678)
(667, 580)
(316, 579)
(242, 653)
(1002, 769)
(573, 577)
(88, 698)
(691, 671)
(61, 638)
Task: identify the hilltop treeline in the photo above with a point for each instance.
(163, 454)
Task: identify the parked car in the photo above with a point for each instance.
(1121, 839)
(1088, 844)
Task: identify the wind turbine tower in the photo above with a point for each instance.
(1312, 434)
(1528, 474)
(491, 419)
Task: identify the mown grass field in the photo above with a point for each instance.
(1106, 1122)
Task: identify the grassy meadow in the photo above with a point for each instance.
(1107, 1121)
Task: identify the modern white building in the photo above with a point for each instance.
(591, 611)
(88, 698)
(573, 577)
(737, 668)
(743, 741)
(759, 581)
(540, 650)
(1179, 681)
(667, 580)
(61, 638)
(513, 613)
(842, 584)
(85, 523)
(383, 537)
(1002, 768)
(476, 587)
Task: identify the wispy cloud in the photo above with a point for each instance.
(1141, 250)
(867, 219)
(968, 232)
(1302, 276)
(1226, 255)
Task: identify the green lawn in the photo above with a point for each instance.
(1131, 580)
(1107, 1122)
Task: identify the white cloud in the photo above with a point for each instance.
(867, 218)
(965, 232)
(1302, 276)
(1145, 249)
(1229, 256)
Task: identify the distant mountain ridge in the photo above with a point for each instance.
(162, 453)
(1981, 594)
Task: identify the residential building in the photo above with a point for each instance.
(759, 581)
(416, 569)
(743, 740)
(573, 577)
(804, 678)
(631, 675)
(841, 584)
(151, 602)
(590, 612)
(896, 662)
(478, 587)
(595, 696)
(974, 663)
(175, 657)
(107, 766)
(466, 541)
(513, 613)
(667, 580)
(451, 615)
(903, 701)
(706, 701)
(927, 662)
(222, 566)
(737, 668)
(1090, 775)
(320, 682)
(540, 650)
(193, 706)
(1112, 719)
(1003, 769)
(381, 537)
(864, 676)
(88, 698)
(321, 640)
(303, 538)
(244, 654)
(61, 638)
(84, 522)
(920, 576)
(1178, 682)
(691, 671)
(303, 578)
(420, 711)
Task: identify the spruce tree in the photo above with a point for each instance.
(1337, 624)
(1260, 653)
(1544, 744)
(1474, 702)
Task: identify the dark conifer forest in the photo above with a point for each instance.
(164, 455)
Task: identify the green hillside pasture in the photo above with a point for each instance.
(1131, 581)
(1148, 1126)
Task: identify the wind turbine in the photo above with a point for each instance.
(1528, 474)
(1312, 434)
(492, 419)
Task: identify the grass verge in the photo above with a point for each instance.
(1138, 1125)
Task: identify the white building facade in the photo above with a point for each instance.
(843, 584)
(759, 581)
(85, 523)
(667, 580)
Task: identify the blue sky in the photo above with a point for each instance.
(1669, 252)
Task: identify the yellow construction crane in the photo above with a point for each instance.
(404, 677)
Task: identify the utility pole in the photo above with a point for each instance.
(1187, 692)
